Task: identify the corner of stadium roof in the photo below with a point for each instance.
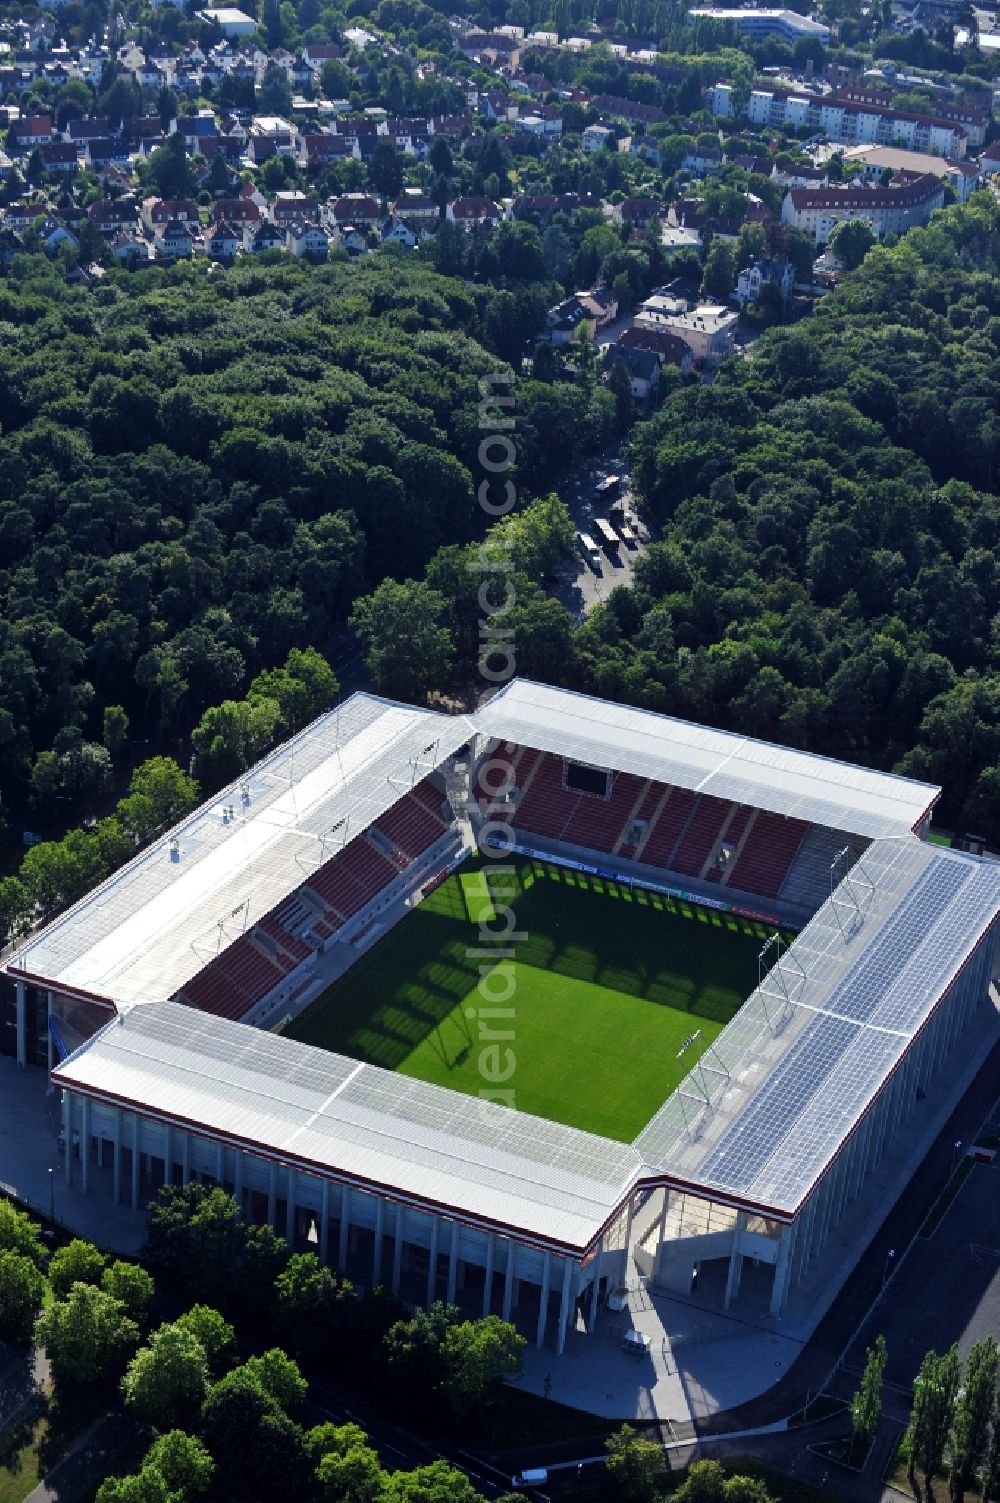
(779, 779)
(780, 1091)
(425, 1145)
(156, 922)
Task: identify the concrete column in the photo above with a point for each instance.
(453, 1263)
(21, 992)
(628, 1231)
(663, 1229)
(238, 1181)
(324, 1222)
(432, 1262)
(508, 1280)
(272, 1193)
(488, 1274)
(377, 1256)
(397, 1248)
(99, 1150)
(135, 1161)
(168, 1156)
(85, 1144)
(186, 1160)
(543, 1303)
(117, 1140)
(220, 1166)
(564, 1306)
(595, 1285)
(735, 1262)
(290, 1209)
(48, 1030)
(345, 1226)
(781, 1270)
(68, 1134)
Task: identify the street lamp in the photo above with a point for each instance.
(888, 1260)
(954, 1157)
(52, 1196)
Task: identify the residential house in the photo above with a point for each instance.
(60, 156)
(358, 209)
(628, 109)
(595, 309)
(261, 237)
(597, 138)
(304, 238)
(88, 128)
(291, 206)
(642, 367)
(109, 215)
(702, 161)
(174, 239)
(540, 207)
(127, 246)
(766, 273)
(223, 241)
(157, 212)
(236, 212)
(474, 210)
(393, 231)
(315, 54)
(416, 209)
(668, 348)
(319, 148)
(106, 151)
(636, 213)
(32, 131)
(905, 202)
(53, 234)
(707, 330)
(350, 238)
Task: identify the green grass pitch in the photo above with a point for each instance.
(607, 984)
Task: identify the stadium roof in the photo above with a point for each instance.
(159, 920)
(321, 1110)
(816, 789)
(773, 1099)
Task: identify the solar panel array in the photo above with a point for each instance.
(787, 1079)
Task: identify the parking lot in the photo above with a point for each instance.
(591, 579)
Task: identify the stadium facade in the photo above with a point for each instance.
(138, 999)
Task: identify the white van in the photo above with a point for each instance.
(533, 1477)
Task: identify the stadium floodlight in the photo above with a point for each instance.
(768, 945)
(854, 892)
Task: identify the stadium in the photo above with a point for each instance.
(717, 980)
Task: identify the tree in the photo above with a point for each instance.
(166, 1380)
(183, 1463)
(15, 908)
(22, 1291)
(85, 1336)
(634, 1467)
(115, 732)
(18, 1233)
(719, 277)
(159, 795)
(311, 1303)
(935, 1389)
(621, 390)
(478, 1356)
(278, 1376)
(407, 649)
(275, 92)
(258, 1450)
(866, 1406)
(170, 169)
(347, 1469)
(385, 171)
(975, 1413)
(216, 1335)
(850, 241)
(78, 1262)
(131, 1285)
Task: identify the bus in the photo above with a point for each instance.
(606, 533)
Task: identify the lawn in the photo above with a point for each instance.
(605, 983)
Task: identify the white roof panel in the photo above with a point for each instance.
(297, 1102)
(158, 921)
(817, 789)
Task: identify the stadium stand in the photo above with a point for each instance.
(235, 981)
(410, 825)
(808, 881)
(667, 827)
(703, 831)
(732, 834)
(598, 822)
(762, 865)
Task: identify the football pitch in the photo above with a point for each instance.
(605, 984)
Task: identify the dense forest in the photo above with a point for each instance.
(200, 472)
(827, 573)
